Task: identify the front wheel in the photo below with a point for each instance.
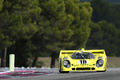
(63, 71)
(102, 71)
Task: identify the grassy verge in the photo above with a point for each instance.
(113, 62)
(47, 61)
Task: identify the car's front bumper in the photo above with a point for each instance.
(84, 68)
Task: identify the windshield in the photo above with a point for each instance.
(82, 55)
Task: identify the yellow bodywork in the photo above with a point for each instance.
(75, 66)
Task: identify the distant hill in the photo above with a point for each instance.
(110, 1)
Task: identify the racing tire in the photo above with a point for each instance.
(102, 71)
(63, 71)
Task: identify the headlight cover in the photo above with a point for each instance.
(100, 57)
(65, 58)
(99, 63)
(66, 63)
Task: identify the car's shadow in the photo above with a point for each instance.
(84, 72)
(74, 72)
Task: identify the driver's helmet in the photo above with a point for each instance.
(78, 55)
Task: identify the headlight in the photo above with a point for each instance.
(66, 63)
(99, 63)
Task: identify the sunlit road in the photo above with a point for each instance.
(110, 74)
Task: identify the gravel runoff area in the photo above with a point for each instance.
(6, 69)
(54, 70)
(25, 72)
(29, 72)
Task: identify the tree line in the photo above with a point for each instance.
(105, 27)
(33, 28)
(29, 28)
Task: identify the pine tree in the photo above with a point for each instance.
(65, 25)
(18, 23)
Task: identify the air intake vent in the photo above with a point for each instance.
(86, 68)
(82, 68)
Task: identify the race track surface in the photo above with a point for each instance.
(53, 74)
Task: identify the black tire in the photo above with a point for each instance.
(63, 71)
(102, 71)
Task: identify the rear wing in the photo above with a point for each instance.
(70, 52)
(67, 52)
(98, 52)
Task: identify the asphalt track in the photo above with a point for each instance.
(53, 74)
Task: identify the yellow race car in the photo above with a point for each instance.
(82, 60)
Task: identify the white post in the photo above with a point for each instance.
(11, 62)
